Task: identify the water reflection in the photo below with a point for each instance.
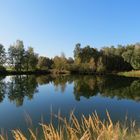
(2, 89)
(17, 88)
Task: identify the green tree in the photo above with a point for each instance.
(16, 55)
(77, 50)
(60, 62)
(101, 68)
(2, 55)
(92, 65)
(135, 60)
(11, 56)
(44, 63)
(127, 56)
(30, 59)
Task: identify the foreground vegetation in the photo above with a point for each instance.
(89, 128)
(87, 60)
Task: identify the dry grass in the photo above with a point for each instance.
(88, 128)
(133, 73)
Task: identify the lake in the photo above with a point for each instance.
(26, 100)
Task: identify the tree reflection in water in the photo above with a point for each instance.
(2, 89)
(20, 86)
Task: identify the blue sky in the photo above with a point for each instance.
(55, 26)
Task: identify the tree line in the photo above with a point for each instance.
(86, 59)
(108, 59)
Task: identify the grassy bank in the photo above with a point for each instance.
(55, 71)
(89, 128)
(130, 73)
(49, 71)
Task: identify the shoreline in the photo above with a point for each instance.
(130, 74)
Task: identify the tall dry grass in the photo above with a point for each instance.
(88, 128)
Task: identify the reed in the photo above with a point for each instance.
(87, 128)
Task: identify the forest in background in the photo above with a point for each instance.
(86, 59)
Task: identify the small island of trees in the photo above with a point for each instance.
(87, 60)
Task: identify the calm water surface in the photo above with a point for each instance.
(34, 97)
